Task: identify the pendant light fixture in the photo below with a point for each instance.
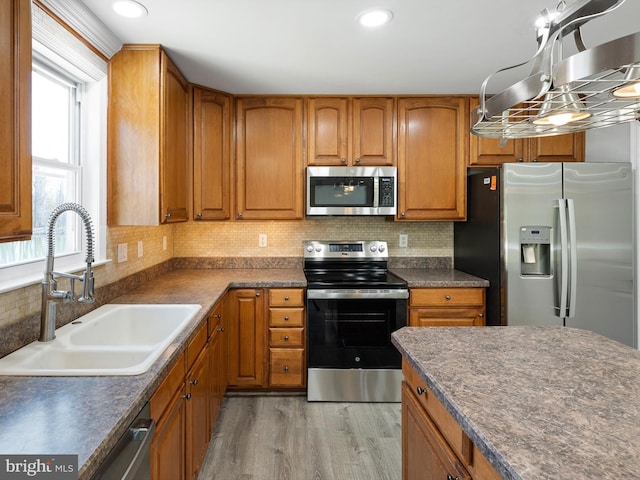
(596, 87)
(631, 87)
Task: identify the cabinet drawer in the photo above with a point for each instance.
(439, 297)
(286, 337)
(171, 383)
(446, 317)
(285, 297)
(287, 367)
(450, 429)
(196, 344)
(286, 317)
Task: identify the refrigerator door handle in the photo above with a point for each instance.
(573, 259)
(564, 257)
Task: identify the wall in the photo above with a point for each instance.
(20, 303)
(238, 239)
(285, 238)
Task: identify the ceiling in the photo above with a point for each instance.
(315, 46)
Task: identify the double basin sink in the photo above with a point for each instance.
(110, 340)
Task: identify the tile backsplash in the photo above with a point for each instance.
(239, 239)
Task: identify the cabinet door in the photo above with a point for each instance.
(270, 180)
(328, 129)
(425, 453)
(15, 120)
(373, 131)
(197, 412)
(446, 317)
(558, 148)
(211, 157)
(168, 447)
(432, 158)
(247, 338)
(174, 153)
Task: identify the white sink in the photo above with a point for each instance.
(111, 340)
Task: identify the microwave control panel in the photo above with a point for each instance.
(387, 194)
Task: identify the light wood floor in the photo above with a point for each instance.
(288, 438)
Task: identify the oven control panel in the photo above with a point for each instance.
(369, 249)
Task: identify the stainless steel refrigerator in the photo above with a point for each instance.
(556, 242)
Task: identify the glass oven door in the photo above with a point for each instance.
(354, 333)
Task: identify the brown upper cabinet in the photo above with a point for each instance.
(433, 134)
(147, 138)
(350, 131)
(269, 158)
(487, 152)
(211, 154)
(15, 120)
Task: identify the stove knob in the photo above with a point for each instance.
(310, 248)
(373, 248)
(318, 248)
(381, 248)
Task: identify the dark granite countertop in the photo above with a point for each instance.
(87, 415)
(438, 277)
(538, 402)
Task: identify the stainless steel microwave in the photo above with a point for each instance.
(352, 190)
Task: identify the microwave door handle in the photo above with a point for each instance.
(376, 191)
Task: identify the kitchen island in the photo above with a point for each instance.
(537, 402)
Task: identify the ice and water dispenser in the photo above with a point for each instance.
(535, 251)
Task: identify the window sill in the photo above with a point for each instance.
(34, 279)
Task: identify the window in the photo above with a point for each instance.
(56, 169)
(68, 166)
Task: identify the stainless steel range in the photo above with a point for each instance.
(353, 305)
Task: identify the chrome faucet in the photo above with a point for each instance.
(50, 294)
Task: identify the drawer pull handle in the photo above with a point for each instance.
(286, 318)
(187, 396)
(286, 369)
(286, 299)
(448, 297)
(421, 390)
(286, 338)
(194, 382)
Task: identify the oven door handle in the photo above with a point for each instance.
(339, 294)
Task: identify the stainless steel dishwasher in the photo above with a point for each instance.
(130, 459)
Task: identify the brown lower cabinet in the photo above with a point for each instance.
(446, 307)
(434, 446)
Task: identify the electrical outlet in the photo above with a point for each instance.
(403, 241)
(122, 252)
(262, 240)
(164, 243)
(140, 249)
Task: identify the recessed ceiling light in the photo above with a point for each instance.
(129, 9)
(374, 17)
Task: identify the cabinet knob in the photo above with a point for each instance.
(239, 214)
(286, 338)
(449, 477)
(257, 294)
(481, 315)
(403, 214)
(286, 318)
(286, 299)
(447, 297)
(357, 160)
(420, 390)
(187, 396)
(168, 215)
(199, 215)
(343, 160)
(194, 382)
(218, 315)
(521, 159)
(286, 369)
(221, 329)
